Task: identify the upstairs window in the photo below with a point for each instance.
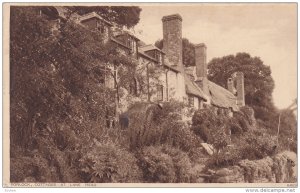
(130, 44)
(157, 56)
(100, 27)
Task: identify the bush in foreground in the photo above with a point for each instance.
(109, 163)
(165, 164)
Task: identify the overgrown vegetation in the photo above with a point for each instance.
(247, 140)
(58, 100)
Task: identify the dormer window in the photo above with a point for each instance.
(130, 43)
(127, 41)
(157, 56)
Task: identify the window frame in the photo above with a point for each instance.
(100, 27)
(160, 92)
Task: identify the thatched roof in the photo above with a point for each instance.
(192, 88)
(221, 97)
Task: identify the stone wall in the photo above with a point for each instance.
(281, 168)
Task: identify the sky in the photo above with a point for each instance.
(268, 31)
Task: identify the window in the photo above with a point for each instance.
(100, 27)
(191, 101)
(157, 56)
(200, 105)
(160, 93)
(130, 45)
(129, 42)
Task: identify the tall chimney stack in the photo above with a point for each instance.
(201, 67)
(172, 38)
(240, 89)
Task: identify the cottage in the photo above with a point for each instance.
(173, 80)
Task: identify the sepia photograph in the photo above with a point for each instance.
(150, 95)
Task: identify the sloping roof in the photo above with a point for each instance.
(146, 55)
(142, 51)
(173, 67)
(91, 15)
(192, 88)
(169, 65)
(119, 42)
(150, 47)
(221, 97)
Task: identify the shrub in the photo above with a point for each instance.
(257, 144)
(62, 161)
(181, 162)
(248, 114)
(252, 145)
(183, 138)
(35, 168)
(157, 165)
(108, 163)
(287, 131)
(211, 128)
(141, 131)
(151, 125)
(165, 164)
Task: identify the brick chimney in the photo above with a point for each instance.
(240, 89)
(201, 67)
(172, 38)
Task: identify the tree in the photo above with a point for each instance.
(287, 133)
(127, 16)
(258, 81)
(50, 74)
(188, 51)
(213, 129)
(57, 95)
